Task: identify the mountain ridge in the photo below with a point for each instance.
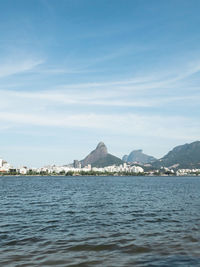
(139, 157)
(182, 156)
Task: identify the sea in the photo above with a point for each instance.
(99, 221)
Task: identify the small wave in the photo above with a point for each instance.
(24, 241)
(136, 249)
(91, 247)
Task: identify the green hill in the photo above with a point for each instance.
(184, 156)
(108, 160)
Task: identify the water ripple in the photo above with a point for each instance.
(99, 221)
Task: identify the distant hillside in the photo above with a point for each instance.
(108, 160)
(184, 156)
(138, 156)
(100, 157)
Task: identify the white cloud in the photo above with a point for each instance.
(113, 98)
(49, 108)
(175, 127)
(11, 67)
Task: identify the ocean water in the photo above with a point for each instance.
(99, 221)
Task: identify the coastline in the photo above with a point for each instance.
(99, 175)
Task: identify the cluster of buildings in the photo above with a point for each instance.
(4, 166)
(72, 168)
(76, 169)
(185, 172)
(119, 169)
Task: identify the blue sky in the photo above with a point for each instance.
(73, 73)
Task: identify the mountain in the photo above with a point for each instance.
(125, 158)
(139, 157)
(108, 160)
(184, 156)
(100, 157)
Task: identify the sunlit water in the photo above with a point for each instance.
(99, 221)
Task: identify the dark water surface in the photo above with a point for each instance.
(99, 221)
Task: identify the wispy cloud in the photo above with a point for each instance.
(175, 127)
(143, 91)
(10, 67)
(49, 108)
(160, 79)
(112, 98)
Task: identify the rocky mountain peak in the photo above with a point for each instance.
(138, 156)
(102, 147)
(98, 153)
(100, 157)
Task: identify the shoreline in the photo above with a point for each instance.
(100, 175)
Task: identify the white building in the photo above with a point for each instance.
(23, 170)
(6, 167)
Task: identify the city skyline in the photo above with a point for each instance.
(74, 73)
